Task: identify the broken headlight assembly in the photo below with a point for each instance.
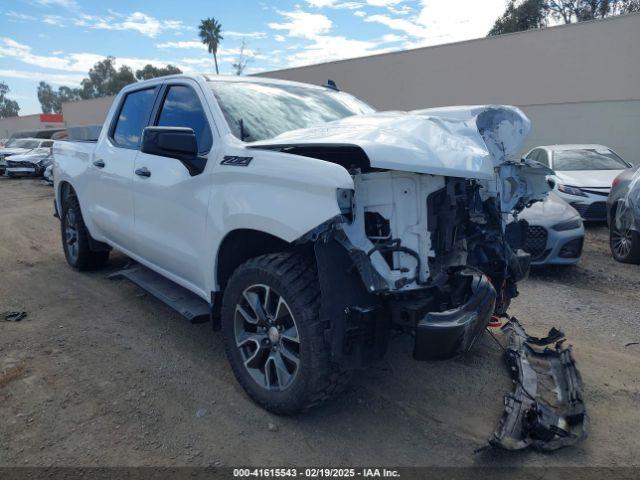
(569, 190)
(568, 225)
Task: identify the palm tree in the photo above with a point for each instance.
(209, 31)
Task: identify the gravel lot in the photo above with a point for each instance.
(101, 374)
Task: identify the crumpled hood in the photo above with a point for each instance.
(466, 141)
(588, 178)
(30, 157)
(13, 151)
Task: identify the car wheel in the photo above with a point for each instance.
(75, 239)
(624, 243)
(274, 337)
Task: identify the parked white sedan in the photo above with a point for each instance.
(583, 175)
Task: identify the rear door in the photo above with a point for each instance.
(171, 204)
(110, 173)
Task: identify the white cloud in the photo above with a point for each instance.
(279, 38)
(303, 24)
(383, 3)
(360, 13)
(56, 20)
(54, 78)
(76, 65)
(19, 16)
(136, 21)
(444, 22)
(183, 44)
(256, 35)
(328, 48)
(70, 4)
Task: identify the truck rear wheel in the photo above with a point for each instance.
(274, 337)
(75, 239)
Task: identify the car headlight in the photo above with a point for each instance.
(571, 190)
(568, 225)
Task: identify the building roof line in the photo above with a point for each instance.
(530, 31)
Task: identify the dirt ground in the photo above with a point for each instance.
(101, 374)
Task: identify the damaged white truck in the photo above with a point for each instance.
(307, 227)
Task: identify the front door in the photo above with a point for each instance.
(170, 204)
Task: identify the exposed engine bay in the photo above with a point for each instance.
(438, 256)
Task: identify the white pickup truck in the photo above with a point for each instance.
(306, 225)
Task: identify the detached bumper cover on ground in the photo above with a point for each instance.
(546, 410)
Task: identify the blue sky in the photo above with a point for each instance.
(59, 40)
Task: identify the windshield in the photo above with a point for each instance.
(257, 111)
(587, 159)
(22, 143)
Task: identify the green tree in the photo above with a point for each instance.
(525, 14)
(149, 71)
(8, 107)
(210, 34)
(520, 16)
(48, 98)
(105, 80)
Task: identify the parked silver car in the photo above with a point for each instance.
(583, 175)
(555, 235)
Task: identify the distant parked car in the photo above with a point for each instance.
(16, 146)
(30, 164)
(583, 175)
(555, 235)
(623, 216)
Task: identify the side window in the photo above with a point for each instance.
(133, 117)
(533, 155)
(543, 157)
(47, 144)
(182, 108)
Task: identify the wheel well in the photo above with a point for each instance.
(241, 245)
(66, 191)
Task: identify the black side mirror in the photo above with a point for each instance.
(174, 142)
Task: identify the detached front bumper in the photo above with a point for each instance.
(546, 410)
(443, 335)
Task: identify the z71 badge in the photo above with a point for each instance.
(236, 161)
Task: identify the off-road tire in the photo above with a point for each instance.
(85, 258)
(633, 253)
(294, 277)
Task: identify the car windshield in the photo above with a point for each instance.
(587, 159)
(22, 143)
(258, 111)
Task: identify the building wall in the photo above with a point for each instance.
(86, 112)
(578, 82)
(612, 123)
(11, 125)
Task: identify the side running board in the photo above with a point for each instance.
(186, 303)
(546, 411)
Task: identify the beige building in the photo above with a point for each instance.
(30, 123)
(86, 112)
(578, 83)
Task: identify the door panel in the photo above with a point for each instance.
(171, 205)
(110, 194)
(170, 217)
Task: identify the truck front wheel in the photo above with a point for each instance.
(274, 337)
(75, 239)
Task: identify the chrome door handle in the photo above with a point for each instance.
(143, 172)
(99, 163)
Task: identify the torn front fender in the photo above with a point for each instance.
(546, 410)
